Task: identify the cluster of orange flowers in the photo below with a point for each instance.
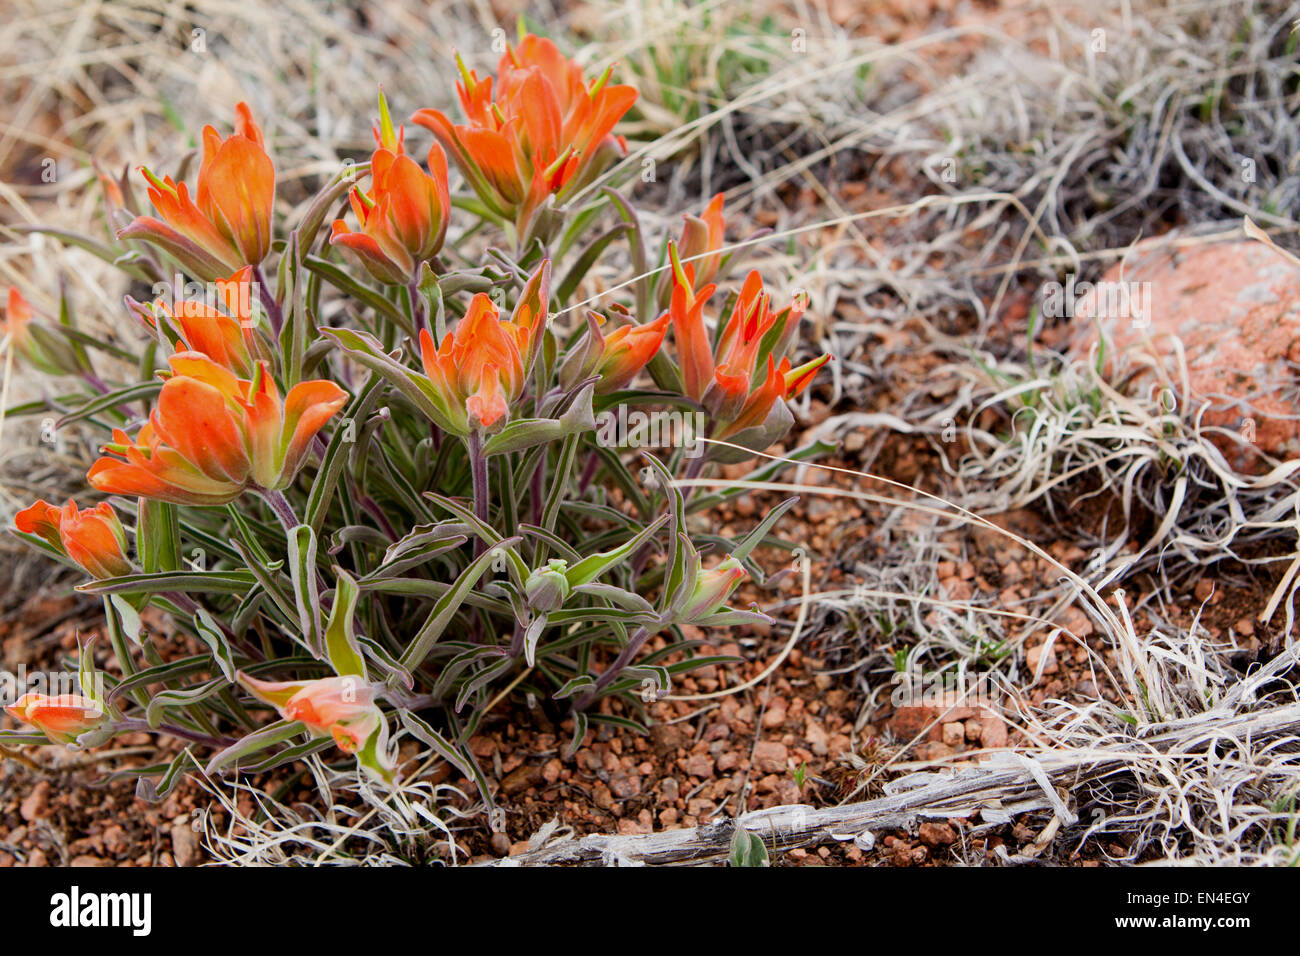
(538, 132)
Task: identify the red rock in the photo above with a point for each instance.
(839, 744)
(729, 760)
(770, 756)
(1035, 655)
(624, 785)
(993, 731)
(185, 844)
(35, 803)
(816, 736)
(933, 750)
(521, 778)
(929, 716)
(699, 765)
(937, 834)
(699, 807)
(1236, 308)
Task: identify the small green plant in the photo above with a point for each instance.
(747, 849)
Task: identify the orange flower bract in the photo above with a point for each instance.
(93, 538)
(741, 377)
(62, 719)
(213, 435)
(539, 130)
(228, 337)
(479, 368)
(404, 215)
(227, 225)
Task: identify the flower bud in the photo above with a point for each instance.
(93, 538)
(712, 589)
(62, 719)
(548, 588)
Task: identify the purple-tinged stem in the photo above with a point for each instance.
(478, 466)
(268, 300)
(624, 658)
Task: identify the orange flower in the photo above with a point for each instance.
(62, 719)
(545, 132)
(739, 379)
(93, 538)
(617, 357)
(479, 369)
(228, 223)
(404, 216)
(213, 435)
(482, 365)
(229, 338)
(340, 707)
(701, 245)
(343, 708)
(781, 382)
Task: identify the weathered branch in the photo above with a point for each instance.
(1009, 784)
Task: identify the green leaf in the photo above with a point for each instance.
(324, 201)
(590, 568)
(120, 396)
(336, 454)
(527, 432)
(414, 386)
(747, 849)
(128, 262)
(157, 536)
(256, 742)
(340, 640)
(342, 281)
(150, 792)
(128, 617)
(197, 582)
(588, 258)
(301, 546)
(447, 606)
(209, 631)
(184, 697)
(755, 537)
(580, 684)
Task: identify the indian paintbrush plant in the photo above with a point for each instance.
(375, 525)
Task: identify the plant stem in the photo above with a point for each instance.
(693, 470)
(624, 658)
(95, 382)
(478, 466)
(283, 510)
(588, 473)
(268, 300)
(132, 723)
(188, 605)
(417, 303)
